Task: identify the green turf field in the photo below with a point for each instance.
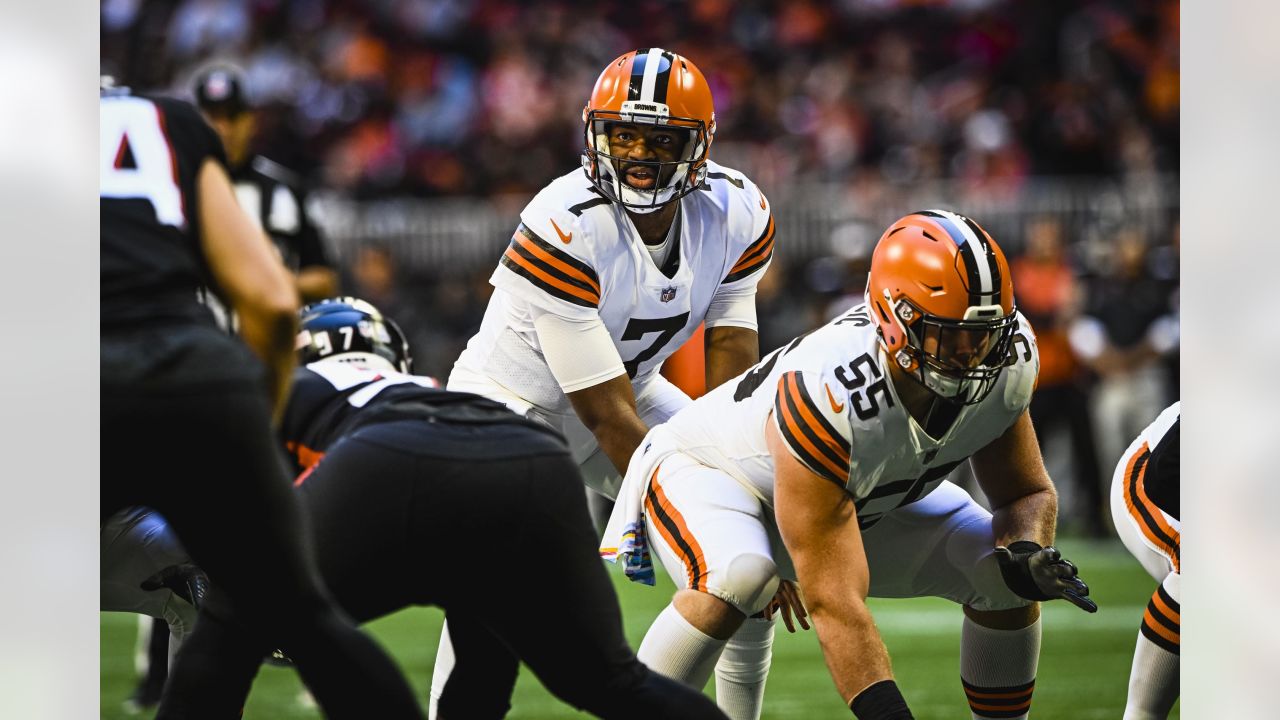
(1084, 664)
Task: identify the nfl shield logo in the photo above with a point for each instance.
(668, 294)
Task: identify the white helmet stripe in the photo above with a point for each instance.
(979, 255)
(650, 82)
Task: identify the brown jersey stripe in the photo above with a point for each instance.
(760, 245)
(1148, 517)
(675, 531)
(820, 448)
(560, 260)
(813, 452)
(547, 264)
(513, 262)
(755, 256)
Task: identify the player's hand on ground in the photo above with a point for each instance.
(787, 600)
(186, 581)
(1041, 573)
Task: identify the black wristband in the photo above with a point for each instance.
(881, 701)
(1017, 570)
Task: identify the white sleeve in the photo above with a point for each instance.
(579, 353)
(733, 309)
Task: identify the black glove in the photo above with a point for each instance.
(1037, 573)
(186, 581)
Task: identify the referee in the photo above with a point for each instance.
(270, 193)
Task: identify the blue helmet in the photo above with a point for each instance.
(348, 329)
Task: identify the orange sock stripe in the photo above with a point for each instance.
(1163, 608)
(1156, 627)
(1012, 710)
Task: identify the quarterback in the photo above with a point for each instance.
(615, 265)
(826, 463)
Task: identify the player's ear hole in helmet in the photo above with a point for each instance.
(649, 88)
(941, 295)
(351, 330)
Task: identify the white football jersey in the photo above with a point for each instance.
(831, 398)
(577, 255)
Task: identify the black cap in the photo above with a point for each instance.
(220, 90)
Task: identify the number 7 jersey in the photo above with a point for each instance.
(831, 398)
(577, 255)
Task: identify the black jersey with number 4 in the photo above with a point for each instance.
(150, 153)
(333, 400)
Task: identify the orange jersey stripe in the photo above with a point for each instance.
(807, 417)
(694, 560)
(811, 451)
(514, 257)
(757, 252)
(528, 244)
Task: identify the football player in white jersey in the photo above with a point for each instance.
(1145, 503)
(826, 463)
(614, 266)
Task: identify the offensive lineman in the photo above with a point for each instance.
(393, 472)
(827, 463)
(611, 270)
(186, 415)
(1145, 502)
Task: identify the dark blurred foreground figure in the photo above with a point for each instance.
(413, 492)
(1145, 502)
(186, 414)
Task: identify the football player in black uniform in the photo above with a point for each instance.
(275, 198)
(400, 481)
(186, 409)
(272, 194)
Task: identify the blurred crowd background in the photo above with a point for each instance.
(423, 126)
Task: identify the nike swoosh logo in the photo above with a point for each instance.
(762, 206)
(838, 407)
(566, 239)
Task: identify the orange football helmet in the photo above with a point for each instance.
(649, 87)
(941, 295)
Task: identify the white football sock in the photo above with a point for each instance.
(445, 661)
(1153, 681)
(998, 669)
(743, 669)
(678, 650)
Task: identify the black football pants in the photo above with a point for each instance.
(502, 541)
(186, 430)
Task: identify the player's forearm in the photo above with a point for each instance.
(316, 283)
(851, 644)
(1030, 517)
(729, 352)
(270, 335)
(619, 437)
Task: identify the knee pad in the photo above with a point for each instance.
(750, 580)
